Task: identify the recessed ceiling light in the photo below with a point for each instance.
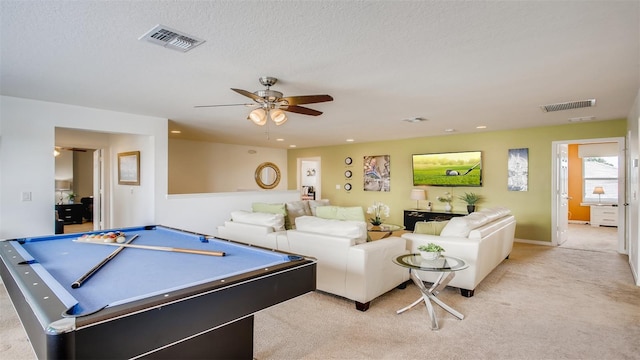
(292, 146)
(415, 119)
(280, 139)
(350, 140)
(481, 127)
(176, 132)
(449, 130)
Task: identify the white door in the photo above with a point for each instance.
(562, 194)
(98, 186)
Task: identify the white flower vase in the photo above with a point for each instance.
(447, 207)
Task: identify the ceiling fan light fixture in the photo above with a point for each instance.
(278, 116)
(258, 116)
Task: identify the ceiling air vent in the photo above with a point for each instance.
(171, 39)
(569, 105)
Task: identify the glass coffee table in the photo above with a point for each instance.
(446, 266)
(387, 229)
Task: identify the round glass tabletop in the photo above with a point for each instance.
(441, 264)
(384, 227)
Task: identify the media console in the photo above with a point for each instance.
(412, 216)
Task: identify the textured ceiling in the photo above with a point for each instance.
(457, 64)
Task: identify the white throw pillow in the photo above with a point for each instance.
(276, 221)
(457, 227)
(346, 228)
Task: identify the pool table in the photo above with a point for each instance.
(147, 303)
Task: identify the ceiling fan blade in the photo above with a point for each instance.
(203, 106)
(307, 99)
(249, 94)
(301, 110)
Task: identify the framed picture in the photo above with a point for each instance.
(377, 173)
(518, 170)
(129, 168)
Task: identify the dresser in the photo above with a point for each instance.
(70, 213)
(604, 215)
(411, 217)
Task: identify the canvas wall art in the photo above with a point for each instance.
(377, 173)
(518, 170)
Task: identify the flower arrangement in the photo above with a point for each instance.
(378, 210)
(447, 198)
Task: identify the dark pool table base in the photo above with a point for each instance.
(209, 322)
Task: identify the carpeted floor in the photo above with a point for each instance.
(541, 303)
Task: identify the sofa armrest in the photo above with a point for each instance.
(259, 235)
(371, 271)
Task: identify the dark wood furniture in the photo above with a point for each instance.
(70, 213)
(412, 216)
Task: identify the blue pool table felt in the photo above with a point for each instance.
(137, 273)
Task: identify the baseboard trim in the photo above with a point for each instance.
(534, 242)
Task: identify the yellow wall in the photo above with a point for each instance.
(576, 211)
(532, 208)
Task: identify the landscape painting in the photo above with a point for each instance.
(448, 169)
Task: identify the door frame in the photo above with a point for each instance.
(318, 174)
(622, 189)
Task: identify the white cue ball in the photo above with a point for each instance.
(109, 240)
(120, 239)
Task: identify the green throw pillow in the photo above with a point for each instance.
(354, 213)
(273, 209)
(429, 227)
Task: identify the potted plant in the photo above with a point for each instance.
(471, 199)
(430, 251)
(72, 197)
(447, 200)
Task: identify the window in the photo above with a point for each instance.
(600, 171)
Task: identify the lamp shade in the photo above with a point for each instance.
(63, 185)
(278, 116)
(258, 116)
(598, 190)
(418, 194)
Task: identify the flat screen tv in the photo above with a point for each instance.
(448, 169)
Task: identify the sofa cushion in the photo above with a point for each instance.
(313, 204)
(295, 209)
(429, 227)
(276, 221)
(354, 213)
(495, 213)
(346, 228)
(462, 226)
(278, 208)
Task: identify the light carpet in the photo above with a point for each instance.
(542, 303)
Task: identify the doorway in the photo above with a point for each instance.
(309, 178)
(579, 168)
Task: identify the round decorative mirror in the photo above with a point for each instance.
(267, 175)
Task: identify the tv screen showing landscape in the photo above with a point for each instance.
(448, 169)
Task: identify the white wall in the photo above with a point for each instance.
(27, 139)
(27, 163)
(219, 167)
(633, 187)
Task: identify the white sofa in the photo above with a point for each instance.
(482, 239)
(348, 265)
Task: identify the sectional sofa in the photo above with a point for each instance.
(482, 239)
(348, 265)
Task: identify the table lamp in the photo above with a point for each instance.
(62, 185)
(598, 190)
(417, 195)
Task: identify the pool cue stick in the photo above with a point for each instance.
(76, 284)
(160, 248)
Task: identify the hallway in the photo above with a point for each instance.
(587, 237)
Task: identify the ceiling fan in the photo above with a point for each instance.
(272, 104)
